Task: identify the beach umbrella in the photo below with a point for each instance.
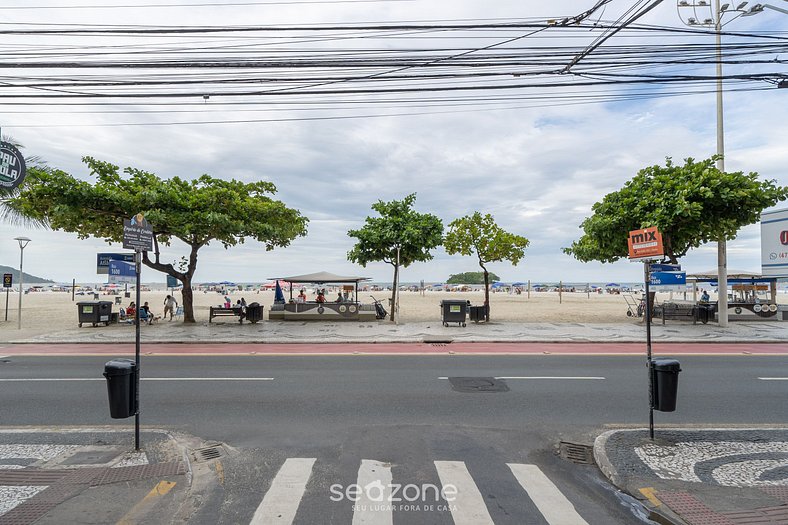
(279, 297)
(518, 283)
(612, 285)
(498, 284)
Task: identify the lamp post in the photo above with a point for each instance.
(715, 20)
(22, 244)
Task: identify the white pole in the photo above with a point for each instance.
(722, 256)
(21, 285)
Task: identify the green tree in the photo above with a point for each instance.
(480, 234)
(195, 211)
(690, 205)
(470, 278)
(399, 237)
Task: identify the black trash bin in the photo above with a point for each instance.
(254, 312)
(477, 313)
(95, 312)
(454, 311)
(121, 377)
(705, 312)
(665, 373)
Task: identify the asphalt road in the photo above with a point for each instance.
(402, 412)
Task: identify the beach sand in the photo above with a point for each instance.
(50, 312)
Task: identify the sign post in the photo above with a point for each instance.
(137, 236)
(646, 245)
(8, 281)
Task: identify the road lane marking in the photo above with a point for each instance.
(650, 495)
(468, 507)
(280, 503)
(133, 515)
(555, 508)
(44, 379)
(773, 378)
(374, 503)
(573, 378)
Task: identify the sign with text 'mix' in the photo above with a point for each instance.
(137, 234)
(645, 244)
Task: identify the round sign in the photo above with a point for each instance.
(12, 166)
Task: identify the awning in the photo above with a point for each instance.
(321, 278)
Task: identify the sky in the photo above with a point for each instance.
(537, 167)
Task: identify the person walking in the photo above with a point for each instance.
(170, 305)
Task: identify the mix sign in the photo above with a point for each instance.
(645, 244)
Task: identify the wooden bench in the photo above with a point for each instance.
(218, 311)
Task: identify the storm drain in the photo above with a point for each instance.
(576, 453)
(208, 453)
(472, 385)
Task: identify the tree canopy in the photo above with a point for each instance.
(470, 278)
(479, 234)
(399, 228)
(690, 205)
(195, 211)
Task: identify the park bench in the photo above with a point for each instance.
(678, 311)
(218, 311)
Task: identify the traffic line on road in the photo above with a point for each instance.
(145, 504)
(650, 495)
(773, 378)
(281, 502)
(468, 508)
(374, 509)
(570, 378)
(555, 508)
(46, 379)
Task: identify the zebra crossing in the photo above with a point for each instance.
(377, 496)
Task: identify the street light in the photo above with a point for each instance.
(716, 21)
(22, 244)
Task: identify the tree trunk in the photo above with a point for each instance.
(394, 287)
(486, 294)
(187, 300)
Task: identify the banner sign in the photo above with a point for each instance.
(645, 244)
(665, 267)
(121, 272)
(668, 281)
(103, 259)
(137, 234)
(8, 280)
(12, 166)
(774, 243)
(172, 282)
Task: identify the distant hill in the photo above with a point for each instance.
(470, 278)
(28, 278)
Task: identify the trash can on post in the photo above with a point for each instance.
(477, 313)
(665, 374)
(121, 377)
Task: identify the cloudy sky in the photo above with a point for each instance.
(534, 161)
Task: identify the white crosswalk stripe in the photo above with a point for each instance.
(553, 505)
(468, 507)
(374, 506)
(280, 503)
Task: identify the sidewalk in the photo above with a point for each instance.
(702, 476)
(78, 475)
(387, 332)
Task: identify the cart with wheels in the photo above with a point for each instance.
(454, 311)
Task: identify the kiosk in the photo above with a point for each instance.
(330, 310)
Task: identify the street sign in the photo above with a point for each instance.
(667, 281)
(137, 234)
(774, 243)
(8, 280)
(172, 282)
(103, 259)
(665, 267)
(12, 166)
(121, 272)
(645, 244)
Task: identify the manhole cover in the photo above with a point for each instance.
(576, 453)
(478, 384)
(208, 453)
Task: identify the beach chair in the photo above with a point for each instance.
(179, 312)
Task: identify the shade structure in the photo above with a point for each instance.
(322, 278)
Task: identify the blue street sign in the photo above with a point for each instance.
(121, 272)
(668, 279)
(665, 267)
(172, 282)
(103, 259)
